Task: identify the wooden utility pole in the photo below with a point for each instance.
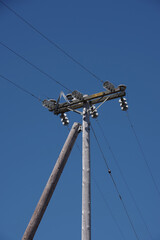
(51, 184)
(74, 101)
(86, 190)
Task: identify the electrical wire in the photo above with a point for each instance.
(102, 196)
(21, 88)
(52, 42)
(115, 185)
(143, 154)
(34, 66)
(124, 180)
(91, 73)
(107, 205)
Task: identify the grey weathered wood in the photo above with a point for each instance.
(86, 189)
(62, 108)
(51, 184)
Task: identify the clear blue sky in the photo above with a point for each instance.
(120, 42)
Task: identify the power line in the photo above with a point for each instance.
(115, 185)
(69, 56)
(107, 205)
(52, 42)
(103, 197)
(21, 88)
(124, 180)
(34, 66)
(143, 154)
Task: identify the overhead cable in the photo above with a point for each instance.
(21, 88)
(115, 185)
(34, 66)
(124, 180)
(107, 205)
(143, 154)
(103, 197)
(52, 42)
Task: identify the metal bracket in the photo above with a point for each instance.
(76, 111)
(102, 103)
(80, 129)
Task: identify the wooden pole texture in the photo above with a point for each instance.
(86, 189)
(51, 184)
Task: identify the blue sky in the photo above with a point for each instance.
(119, 42)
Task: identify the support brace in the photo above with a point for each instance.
(51, 184)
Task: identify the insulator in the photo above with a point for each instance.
(94, 116)
(64, 119)
(70, 97)
(93, 112)
(77, 95)
(123, 104)
(65, 122)
(125, 108)
(50, 104)
(122, 87)
(93, 108)
(109, 86)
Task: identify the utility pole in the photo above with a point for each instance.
(74, 101)
(86, 189)
(51, 184)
